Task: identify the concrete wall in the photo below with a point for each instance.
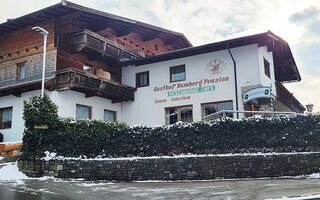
(183, 168)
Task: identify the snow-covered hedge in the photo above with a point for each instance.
(113, 139)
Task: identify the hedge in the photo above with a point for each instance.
(91, 138)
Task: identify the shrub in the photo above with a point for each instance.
(91, 138)
(40, 111)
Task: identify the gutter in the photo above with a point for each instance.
(235, 79)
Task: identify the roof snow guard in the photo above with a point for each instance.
(285, 67)
(66, 8)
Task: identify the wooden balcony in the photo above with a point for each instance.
(93, 43)
(288, 99)
(73, 79)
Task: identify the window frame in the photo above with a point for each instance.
(1, 111)
(179, 112)
(19, 65)
(90, 110)
(216, 103)
(113, 112)
(266, 66)
(137, 77)
(185, 73)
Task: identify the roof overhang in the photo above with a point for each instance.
(66, 8)
(285, 67)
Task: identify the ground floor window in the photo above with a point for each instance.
(5, 118)
(83, 112)
(109, 115)
(181, 113)
(210, 108)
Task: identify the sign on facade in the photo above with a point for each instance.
(257, 93)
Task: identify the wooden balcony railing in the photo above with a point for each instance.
(91, 85)
(91, 42)
(288, 99)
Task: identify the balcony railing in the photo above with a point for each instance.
(86, 40)
(288, 99)
(93, 86)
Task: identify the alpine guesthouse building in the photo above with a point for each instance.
(102, 66)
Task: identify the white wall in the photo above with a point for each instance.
(15, 133)
(66, 101)
(145, 111)
(265, 80)
(247, 64)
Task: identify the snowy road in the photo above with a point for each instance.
(15, 187)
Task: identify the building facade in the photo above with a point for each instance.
(101, 66)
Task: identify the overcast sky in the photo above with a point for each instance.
(206, 21)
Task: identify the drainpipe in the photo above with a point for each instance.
(235, 79)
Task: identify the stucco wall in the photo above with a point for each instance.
(145, 111)
(265, 80)
(178, 168)
(66, 101)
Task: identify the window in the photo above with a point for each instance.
(175, 114)
(21, 71)
(210, 108)
(5, 118)
(266, 67)
(109, 115)
(83, 112)
(142, 79)
(86, 68)
(112, 76)
(177, 73)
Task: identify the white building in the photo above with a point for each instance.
(143, 75)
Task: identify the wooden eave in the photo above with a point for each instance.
(65, 8)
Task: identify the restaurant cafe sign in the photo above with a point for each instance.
(256, 94)
(198, 84)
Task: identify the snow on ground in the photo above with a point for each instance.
(14, 142)
(1, 157)
(10, 172)
(53, 156)
(313, 176)
(305, 197)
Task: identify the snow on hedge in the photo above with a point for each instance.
(53, 156)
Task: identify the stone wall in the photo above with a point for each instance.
(178, 168)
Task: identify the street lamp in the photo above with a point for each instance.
(309, 107)
(44, 33)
